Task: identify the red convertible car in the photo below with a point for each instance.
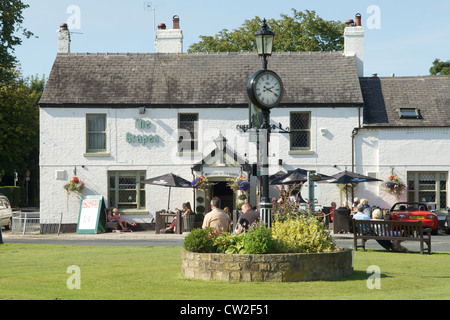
(413, 211)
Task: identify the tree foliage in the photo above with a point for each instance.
(303, 31)
(19, 124)
(440, 68)
(11, 20)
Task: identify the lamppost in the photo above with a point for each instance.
(265, 90)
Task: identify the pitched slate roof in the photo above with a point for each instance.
(383, 97)
(196, 79)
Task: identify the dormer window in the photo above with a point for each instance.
(409, 113)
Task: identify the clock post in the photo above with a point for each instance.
(265, 90)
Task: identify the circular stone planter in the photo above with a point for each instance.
(283, 267)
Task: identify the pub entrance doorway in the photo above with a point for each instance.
(221, 190)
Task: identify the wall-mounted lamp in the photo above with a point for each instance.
(141, 110)
(323, 131)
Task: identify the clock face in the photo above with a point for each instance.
(265, 89)
(268, 89)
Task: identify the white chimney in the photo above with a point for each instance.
(63, 39)
(169, 40)
(354, 43)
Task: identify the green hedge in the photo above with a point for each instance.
(15, 195)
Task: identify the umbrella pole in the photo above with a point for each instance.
(168, 201)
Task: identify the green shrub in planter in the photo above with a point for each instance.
(258, 239)
(302, 234)
(200, 240)
(228, 243)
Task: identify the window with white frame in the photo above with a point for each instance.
(125, 191)
(95, 133)
(429, 187)
(300, 126)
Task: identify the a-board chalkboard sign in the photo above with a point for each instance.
(92, 218)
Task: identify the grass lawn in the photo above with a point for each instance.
(40, 272)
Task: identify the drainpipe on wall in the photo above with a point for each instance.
(354, 133)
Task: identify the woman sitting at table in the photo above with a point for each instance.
(185, 211)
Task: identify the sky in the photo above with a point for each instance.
(401, 37)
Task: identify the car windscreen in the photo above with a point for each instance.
(409, 207)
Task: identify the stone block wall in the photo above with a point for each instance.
(267, 267)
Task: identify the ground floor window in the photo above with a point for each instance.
(125, 191)
(429, 187)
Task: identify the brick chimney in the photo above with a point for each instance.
(354, 42)
(63, 39)
(169, 40)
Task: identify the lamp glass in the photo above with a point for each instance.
(264, 44)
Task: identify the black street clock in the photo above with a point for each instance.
(265, 89)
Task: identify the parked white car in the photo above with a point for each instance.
(5, 212)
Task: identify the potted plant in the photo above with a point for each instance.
(394, 186)
(239, 184)
(200, 182)
(74, 185)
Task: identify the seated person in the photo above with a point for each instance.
(395, 245)
(230, 215)
(247, 217)
(124, 224)
(360, 215)
(216, 218)
(185, 211)
(333, 206)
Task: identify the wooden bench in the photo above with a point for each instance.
(112, 225)
(390, 230)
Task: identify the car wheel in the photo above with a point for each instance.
(9, 225)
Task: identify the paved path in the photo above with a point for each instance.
(439, 243)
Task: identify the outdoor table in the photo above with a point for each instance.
(160, 219)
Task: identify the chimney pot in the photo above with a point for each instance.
(358, 20)
(169, 40)
(64, 26)
(349, 22)
(176, 22)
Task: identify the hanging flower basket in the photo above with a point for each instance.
(74, 185)
(200, 183)
(394, 186)
(239, 184)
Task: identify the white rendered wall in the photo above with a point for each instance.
(401, 150)
(63, 148)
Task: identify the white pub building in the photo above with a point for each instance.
(114, 119)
